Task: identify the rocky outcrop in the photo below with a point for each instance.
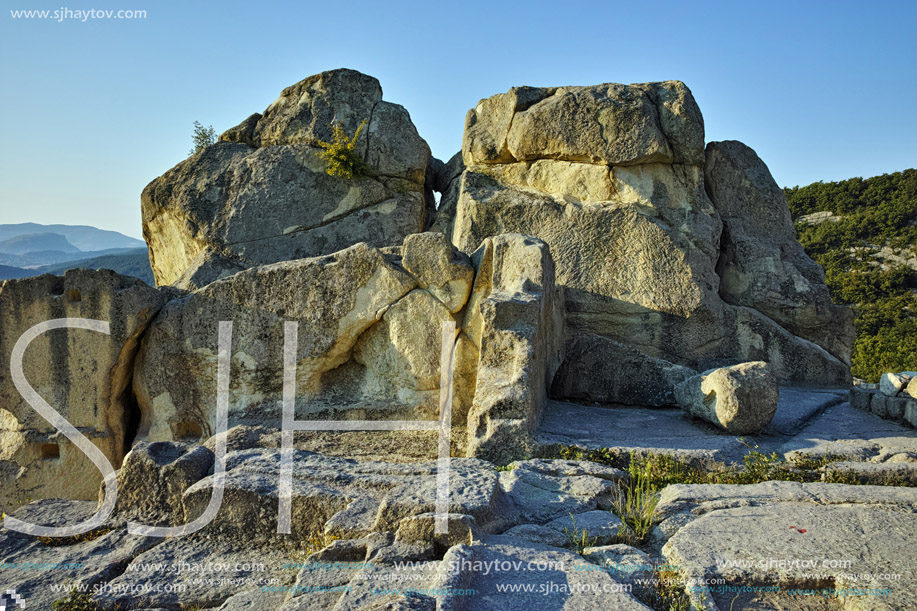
(336, 299)
(261, 194)
(154, 477)
(513, 326)
(762, 265)
(370, 342)
(741, 399)
(612, 178)
(586, 245)
(83, 374)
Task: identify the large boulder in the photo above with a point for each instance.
(370, 345)
(762, 265)
(611, 178)
(83, 374)
(741, 399)
(632, 268)
(607, 124)
(261, 194)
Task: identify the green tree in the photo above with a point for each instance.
(871, 213)
(202, 137)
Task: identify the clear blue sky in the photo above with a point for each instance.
(93, 111)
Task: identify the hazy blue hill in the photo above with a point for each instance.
(7, 272)
(52, 257)
(134, 262)
(83, 237)
(32, 242)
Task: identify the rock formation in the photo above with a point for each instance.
(592, 254)
(612, 178)
(761, 265)
(600, 254)
(83, 374)
(261, 195)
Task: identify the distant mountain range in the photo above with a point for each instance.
(30, 249)
(84, 237)
(36, 242)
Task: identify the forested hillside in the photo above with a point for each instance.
(864, 233)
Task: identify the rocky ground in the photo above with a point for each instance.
(538, 533)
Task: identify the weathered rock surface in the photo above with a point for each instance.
(335, 298)
(446, 273)
(207, 267)
(592, 527)
(345, 497)
(741, 399)
(893, 383)
(794, 360)
(603, 370)
(83, 374)
(29, 566)
(901, 409)
(540, 577)
(609, 124)
(261, 195)
(624, 275)
(546, 490)
(911, 389)
(611, 177)
(536, 533)
(762, 265)
(154, 477)
(854, 538)
(624, 563)
(513, 324)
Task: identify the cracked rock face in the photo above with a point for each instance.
(762, 265)
(261, 194)
(370, 346)
(612, 178)
(336, 299)
(83, 374)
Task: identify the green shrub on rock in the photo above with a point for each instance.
(340, 155)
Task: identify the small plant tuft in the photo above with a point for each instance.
(340, 154)
(635, 503)
(578, 539)
(202, 137)
(669, 591)
(77, 601)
